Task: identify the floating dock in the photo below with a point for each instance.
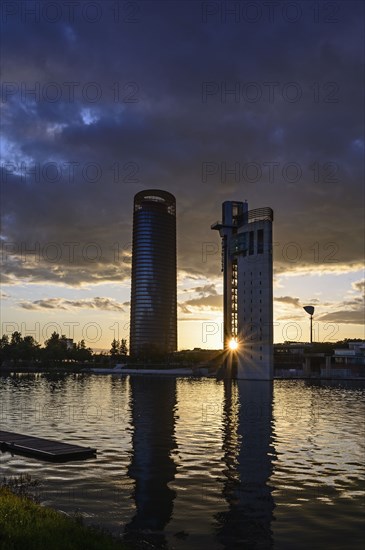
(45, 449)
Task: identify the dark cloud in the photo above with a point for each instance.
(359, 285)
(209, 290)
(347, 312)
(49, 303)
(101, 304)
(288, 300)
(212, 302)
(35, 269)
(182, 307)
(346, 316)
(208, 298)
(164, 138)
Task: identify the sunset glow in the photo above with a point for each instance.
(233, 344)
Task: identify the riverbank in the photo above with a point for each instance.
(26, 524)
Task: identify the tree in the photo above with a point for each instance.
(29, 349)
(25, 349)
(16, 338)
(4, 341)
(14, 346)
(4, 348)
(123, 350)
(82, 352)
(56, 347)
(114, 350)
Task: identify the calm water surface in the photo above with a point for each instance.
(199, 464)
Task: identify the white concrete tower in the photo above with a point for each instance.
(255, 296)
(248, 287)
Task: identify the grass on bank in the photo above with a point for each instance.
(25, 524)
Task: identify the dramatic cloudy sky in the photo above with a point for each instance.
(212, 101)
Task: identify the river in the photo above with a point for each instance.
(198, 463)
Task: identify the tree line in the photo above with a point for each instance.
(57, 348)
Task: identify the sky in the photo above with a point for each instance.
(211, 101)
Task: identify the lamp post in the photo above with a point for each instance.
(310, 311)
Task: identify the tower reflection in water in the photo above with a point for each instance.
(153, 405)
(248, 453)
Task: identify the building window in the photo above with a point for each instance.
(243, 239)
(251, 243)
(260, 242)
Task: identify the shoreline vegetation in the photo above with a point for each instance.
(60, 355)
(26, 524)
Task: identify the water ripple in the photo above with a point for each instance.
(228, 465)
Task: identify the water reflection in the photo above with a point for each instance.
(248, 452)
(216, 491)
(153, 405)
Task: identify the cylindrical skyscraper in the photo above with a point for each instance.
(153, 301)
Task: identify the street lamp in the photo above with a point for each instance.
(310, 311)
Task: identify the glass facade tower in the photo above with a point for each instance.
(153, 300)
